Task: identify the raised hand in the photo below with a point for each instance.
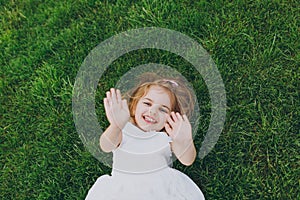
(116, 109)
(178, 127)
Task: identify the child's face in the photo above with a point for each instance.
(153, 109)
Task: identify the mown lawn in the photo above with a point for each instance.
(255, 45)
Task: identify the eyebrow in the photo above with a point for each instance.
(162, 104)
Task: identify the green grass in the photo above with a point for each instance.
(255, 45)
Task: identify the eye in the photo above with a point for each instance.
(147, 103)
(164, 110)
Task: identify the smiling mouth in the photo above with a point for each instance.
(149, 119)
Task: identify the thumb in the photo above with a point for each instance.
(124, 103)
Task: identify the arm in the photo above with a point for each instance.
(110, 138)
(117, 113)
(184, 151)
(179, 129)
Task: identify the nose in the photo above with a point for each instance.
(153, 109)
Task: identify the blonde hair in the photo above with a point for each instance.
(181, 97)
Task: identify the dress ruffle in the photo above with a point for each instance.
(141, 171)
(165, 184)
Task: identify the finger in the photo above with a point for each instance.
(178, 115)
(119, 97)
(106, 105)
(108, 98)
(168, 128)
(113, 95)
(174, 117)
(124, 104)
(108, 95)
(170, 121)
(185, 118)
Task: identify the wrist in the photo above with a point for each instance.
(183, 141)
(182, 144)
(118, 126)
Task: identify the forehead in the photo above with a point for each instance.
(158, 95)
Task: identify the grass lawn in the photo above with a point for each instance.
(255, 45)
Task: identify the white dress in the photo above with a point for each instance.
(141, 171)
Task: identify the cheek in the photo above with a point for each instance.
(164, 117)
(139, 109)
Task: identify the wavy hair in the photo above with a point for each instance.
(181, 97)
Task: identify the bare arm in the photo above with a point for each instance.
(179, 129)
(117, 113)
(110, 138)
(184, 151)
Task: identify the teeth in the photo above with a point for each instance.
(149, 119)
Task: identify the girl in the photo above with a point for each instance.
(142, 136)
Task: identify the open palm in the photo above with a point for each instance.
(178, 127)
(116, 109)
